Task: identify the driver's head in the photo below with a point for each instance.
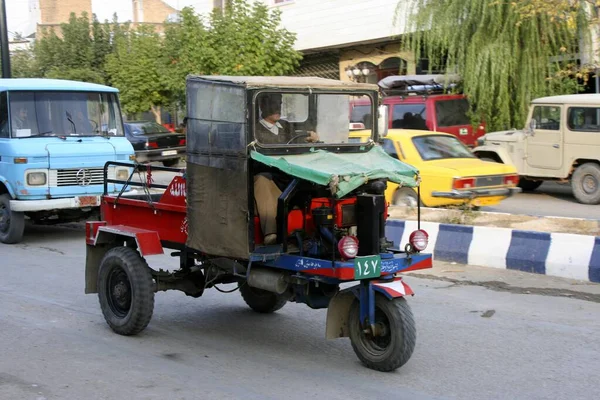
(270, 106)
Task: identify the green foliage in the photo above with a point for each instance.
(506, 52)
(22, 64)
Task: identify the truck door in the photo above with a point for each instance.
(544, 143)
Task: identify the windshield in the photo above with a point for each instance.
(64, 114)
(146, 128)
(434, 147)
(289, 118)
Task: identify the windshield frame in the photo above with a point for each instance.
(113, 97)
(295, 148)
(450, 137)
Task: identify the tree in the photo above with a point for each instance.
(506, 52)
(138, 70)
(23, 64)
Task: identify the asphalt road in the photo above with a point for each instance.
(479, 337)
(550, 199)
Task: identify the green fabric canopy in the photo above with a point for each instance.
(342, 172)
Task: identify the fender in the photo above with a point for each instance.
(338, 310)
(499, 151)
(10, 190)
(101, 237)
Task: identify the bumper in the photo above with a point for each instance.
(54, 204)
(160, 154)
(472, 194)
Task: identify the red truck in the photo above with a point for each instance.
(416, 102)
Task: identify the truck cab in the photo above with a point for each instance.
(560, 142)
(55, 138)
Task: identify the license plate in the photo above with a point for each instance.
(480, 202)
(367, 267)
(88, 201)
(169, 153)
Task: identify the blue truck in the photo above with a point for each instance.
(55, 138)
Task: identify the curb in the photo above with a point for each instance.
(564, 255)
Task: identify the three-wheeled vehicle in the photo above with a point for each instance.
(323, 210)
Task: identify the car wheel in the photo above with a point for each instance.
(529, 185)
(586, 183)
(171, 163)
(406, 197)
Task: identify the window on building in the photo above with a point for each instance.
(584, 119)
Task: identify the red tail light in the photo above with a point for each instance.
(464, 183)
(511, 180)
(182, 142)
(152, 145)
(348, 247)
(419, 240)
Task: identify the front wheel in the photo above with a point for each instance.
(12, 224)
(262, 301)
(396, 334)
(125, 291)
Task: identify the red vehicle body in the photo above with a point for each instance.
(438, 112)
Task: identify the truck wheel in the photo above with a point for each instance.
(586, 183)
(405, 196)
(12, 224)
(262, 301)
(396, 342)
(125, 291)
(528, 185)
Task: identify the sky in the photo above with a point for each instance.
(21, 15)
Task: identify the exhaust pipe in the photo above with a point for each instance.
(265, 279)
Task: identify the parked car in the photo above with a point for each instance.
(561, 142)
(153, 142)
(420, 106)
(450, 173)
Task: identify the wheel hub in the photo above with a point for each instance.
(590, 184)
(119, 292)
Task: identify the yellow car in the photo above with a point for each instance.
(450, 173)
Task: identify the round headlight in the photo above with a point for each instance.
(348, 247)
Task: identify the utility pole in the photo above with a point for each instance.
(4, 42)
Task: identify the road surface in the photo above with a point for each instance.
(482, 334)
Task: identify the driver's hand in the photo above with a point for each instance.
(313, 137)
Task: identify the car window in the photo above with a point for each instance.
(584, 119)
(3, 116)
(436, 147)
(547, 117)
(146, 128)
(361, 113)
(389, 148)
(409, 116)
(452, 112)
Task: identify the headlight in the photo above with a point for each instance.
(480, 141)
(36, 178)
(122, 174)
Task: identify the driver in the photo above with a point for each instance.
(271, 129)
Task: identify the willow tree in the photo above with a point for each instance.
(506, 52)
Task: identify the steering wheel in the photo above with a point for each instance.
(297, 137)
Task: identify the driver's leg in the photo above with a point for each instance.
(266, 194)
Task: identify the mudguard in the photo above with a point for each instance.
(392, 288)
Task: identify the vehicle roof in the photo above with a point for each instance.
(286, 82)
(413, 99)
(583, 98)
(52, 84)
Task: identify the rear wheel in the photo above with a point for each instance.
(262, 301)
(12, 224)
(586, 183)
(171, 163)
(395, 342)
(529, 185)
(125, 291)
(405, 197)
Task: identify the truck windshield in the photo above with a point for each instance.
(288, 118)
(34, 114)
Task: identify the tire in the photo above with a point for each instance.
(586, 183)
(405, 197)
(262, 301)
(392, 350)
(12, 224)
(128, 312)
(171, 163)
(528, 185)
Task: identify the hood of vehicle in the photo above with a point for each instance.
(466, 167)
(76, 154)
(503, 136)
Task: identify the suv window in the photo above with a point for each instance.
(584, 119)
(547, 117)
(409, 116)
(452, 112)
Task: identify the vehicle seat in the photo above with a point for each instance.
(295, 222)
